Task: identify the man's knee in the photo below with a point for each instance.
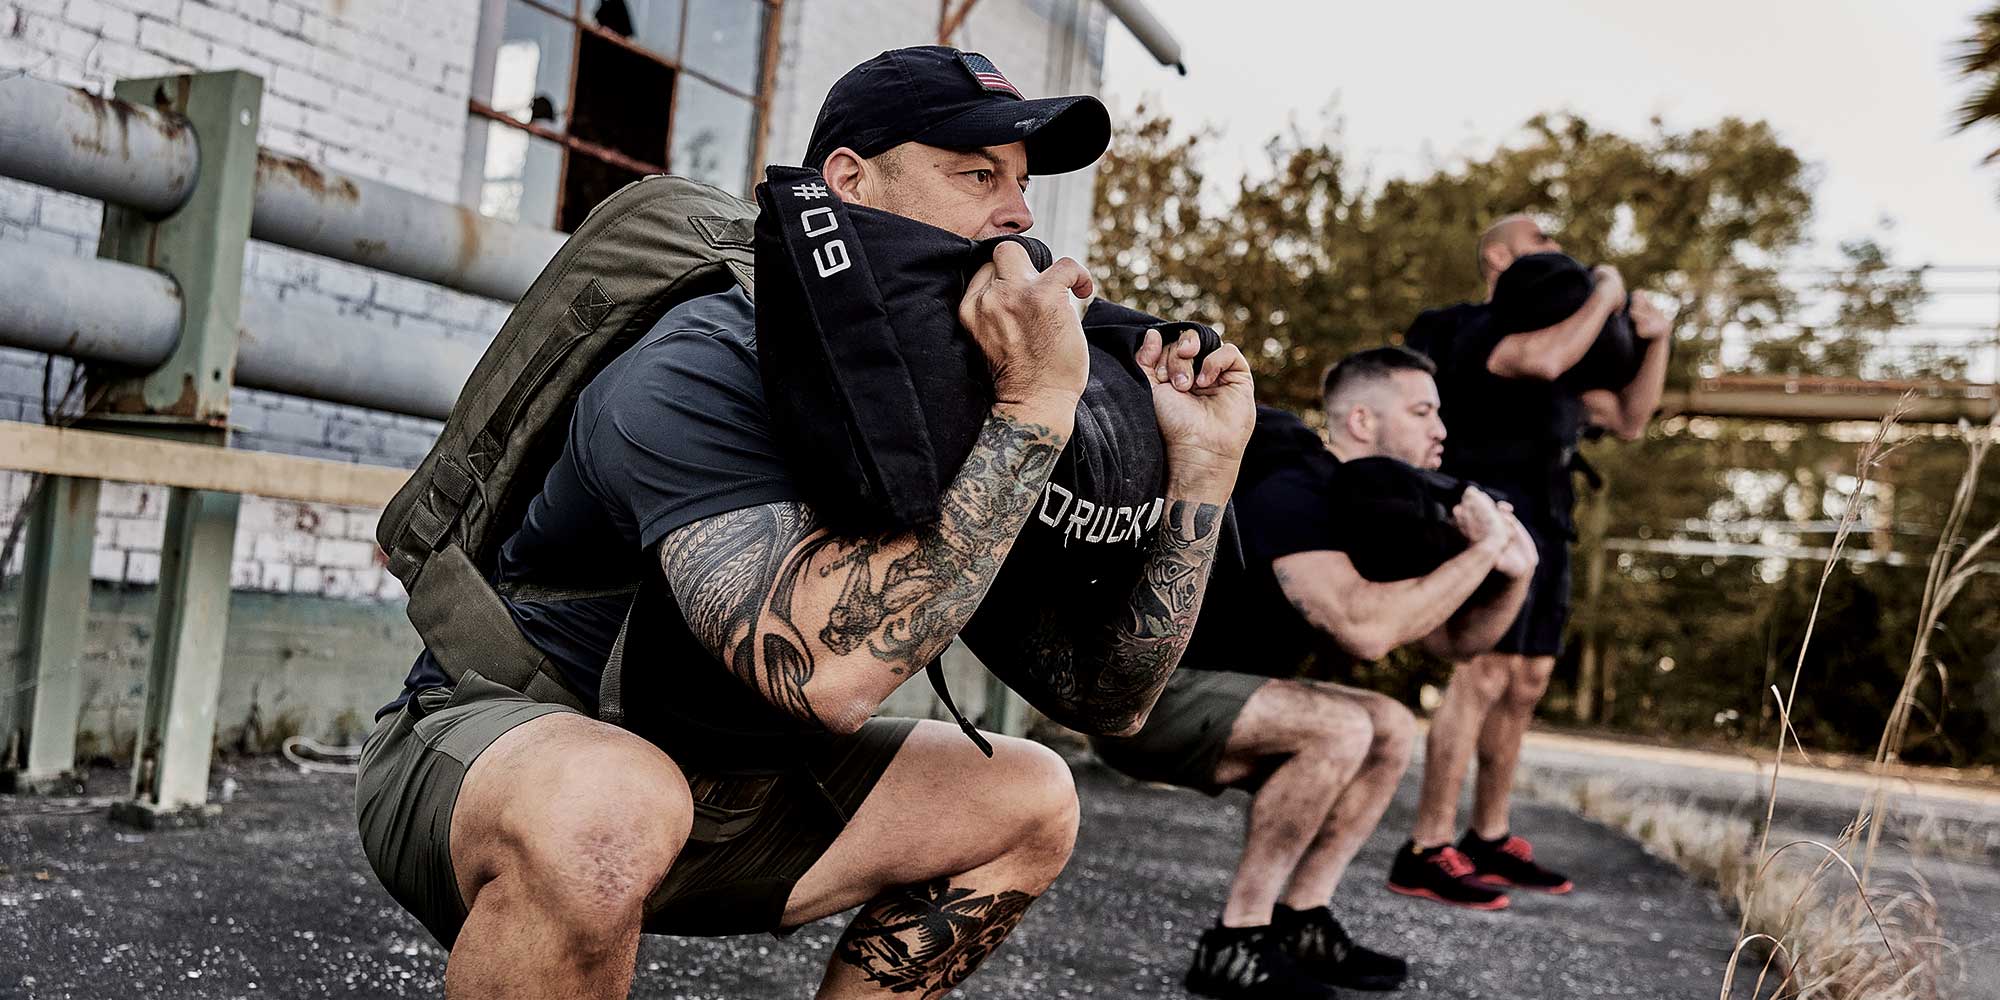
(589, 836)
(1529, 682)
(1337, 731)
(1043, 795)
(1488, 677)
(1394, 728)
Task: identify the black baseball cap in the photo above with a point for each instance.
(943, 97)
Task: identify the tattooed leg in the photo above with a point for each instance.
(922, 939)
(949, 843)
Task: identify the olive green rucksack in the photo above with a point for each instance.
(656, 243)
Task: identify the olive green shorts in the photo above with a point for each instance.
(415, 761)
(1184, 737)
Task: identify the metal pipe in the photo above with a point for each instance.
(90, 309)
(112, 313)
(119, 152)
(321, 355)
(99, 147)
(1149, 31)
(366, 222)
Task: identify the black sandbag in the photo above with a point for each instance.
(1280, 441)
(876, 393)
(1542, 289)
(1105, 494)
(1081, 552)
(1405, 517)
(1405, 512)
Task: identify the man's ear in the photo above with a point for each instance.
(1496, 257)
(844, 171)
(1360, 424)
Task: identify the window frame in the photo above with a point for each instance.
(492, 20)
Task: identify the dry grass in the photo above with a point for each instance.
(1806, 932)
(1813, 925)
(1929, 836)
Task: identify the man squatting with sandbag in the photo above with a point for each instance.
(1518, 395)
(537, 843)
(1321, 760)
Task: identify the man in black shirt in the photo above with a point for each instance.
(538, 843)
(1321, 760)
(1515, 427)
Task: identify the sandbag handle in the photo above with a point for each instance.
(1039, 253)
(1171, 331)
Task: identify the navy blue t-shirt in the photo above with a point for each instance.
(1514, 434)
(672, 431)
(1247, 623)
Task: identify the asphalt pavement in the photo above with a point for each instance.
(274, 899)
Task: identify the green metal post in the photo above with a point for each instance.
(201, 248)
(40, 702)
(187, 398)
(177, 732)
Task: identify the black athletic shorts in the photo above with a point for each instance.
(414, 762)
(1538, 631)
(1184, 738)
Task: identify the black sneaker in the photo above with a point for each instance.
(1322, 948)
(1443, 874)
(1246, 963)
(1510, 863)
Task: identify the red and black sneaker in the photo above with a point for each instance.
(1443, 874)
(1509, 863)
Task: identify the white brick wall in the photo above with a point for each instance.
(379, 88)
(354, 84)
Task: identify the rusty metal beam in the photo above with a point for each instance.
(98, 147)
(1807, 401)
(387, 228)
(319, 354)
(118, 314)
(951, 18)
(129, 154)
(86, 308)
(1147, 28)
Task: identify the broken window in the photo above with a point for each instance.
(573, 99)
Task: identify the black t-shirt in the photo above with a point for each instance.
(1247, 624)
(672, 431)
(1515, 434)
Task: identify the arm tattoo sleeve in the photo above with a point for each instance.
(775, 596)
(1102, 679)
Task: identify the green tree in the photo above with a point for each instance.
(1872, 299)
(1311, 259)
(1978, 61)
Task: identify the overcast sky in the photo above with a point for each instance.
(1861, 88)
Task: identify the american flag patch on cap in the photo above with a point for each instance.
(986, 74)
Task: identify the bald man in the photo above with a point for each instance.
(1514, 429)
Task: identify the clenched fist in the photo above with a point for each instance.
(1024, 322)
(1205, 416)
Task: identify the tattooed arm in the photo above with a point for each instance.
(825, 626)
(1100, 673)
